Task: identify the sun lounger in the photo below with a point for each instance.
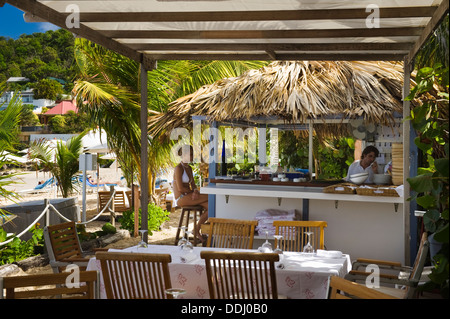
(41, 188)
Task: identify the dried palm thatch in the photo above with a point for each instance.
(294, 91)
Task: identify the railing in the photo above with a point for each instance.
(47, 211)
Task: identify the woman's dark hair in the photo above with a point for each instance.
(370, 149)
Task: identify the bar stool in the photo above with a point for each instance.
(185, 214)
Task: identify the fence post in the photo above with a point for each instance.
(47, 213)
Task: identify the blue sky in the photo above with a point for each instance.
(12, 24)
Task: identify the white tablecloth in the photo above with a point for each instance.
(304, 276)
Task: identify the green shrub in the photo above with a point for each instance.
(156, 216)
(18, 249)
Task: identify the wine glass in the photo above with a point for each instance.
(183, 239)
(277, 249)
(266, 246)
(188, 246)
(142, 243)
(175, 292)
(308, 247)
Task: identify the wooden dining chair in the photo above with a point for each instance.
(390, 272)
(119, 200)
(294, 234)
(341, 288)
(63, 246)
(241, 275)
(135, 275)
(231, 233)
(48, 286)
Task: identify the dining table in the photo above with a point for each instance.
(299, 275)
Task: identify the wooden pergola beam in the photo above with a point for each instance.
(363, 56)
(269, 15)
(263, 34)
(406, 46)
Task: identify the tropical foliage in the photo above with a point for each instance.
(431, 121)
(9, 125)
(61, 161)
(37, 56)
(108, 89)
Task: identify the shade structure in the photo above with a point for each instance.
(147, 31)
(247, 29)
(294, 92)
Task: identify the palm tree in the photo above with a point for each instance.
(62, 161)
(9, 123)
(108, 91)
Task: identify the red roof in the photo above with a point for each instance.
(62, 108)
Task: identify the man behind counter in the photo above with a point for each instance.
(366, 164)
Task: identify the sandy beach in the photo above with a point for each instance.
(28, 180)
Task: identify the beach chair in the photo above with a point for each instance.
(41, 188)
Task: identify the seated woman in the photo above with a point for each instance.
(185, 190)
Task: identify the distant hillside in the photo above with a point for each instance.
(38, 56)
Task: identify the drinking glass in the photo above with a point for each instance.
(175, 292)
(266, 246)
(188, 246)
(277, 249)
(308, 247)
(142, 243)
(183, 239)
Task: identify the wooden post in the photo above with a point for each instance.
(406, 151)
(135, 195)
(111, 206)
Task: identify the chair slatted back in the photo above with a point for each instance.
(231, 233)
(418, 266)
(241, 275)
(294, 234)
(341, 288)
(51, 285)
(134, 275)
(119, 200)
(64, 241)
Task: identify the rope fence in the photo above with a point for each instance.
(47, 211)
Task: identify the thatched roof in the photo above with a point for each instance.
(294, 91)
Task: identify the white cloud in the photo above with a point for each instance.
(47, 26)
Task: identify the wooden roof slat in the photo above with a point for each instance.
(365, 56)
(269, 46)
(272, 15)
(262, 34)
(302, 32)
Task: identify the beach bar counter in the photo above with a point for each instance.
(359, 225)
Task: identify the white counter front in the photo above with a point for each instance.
(362, 226)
